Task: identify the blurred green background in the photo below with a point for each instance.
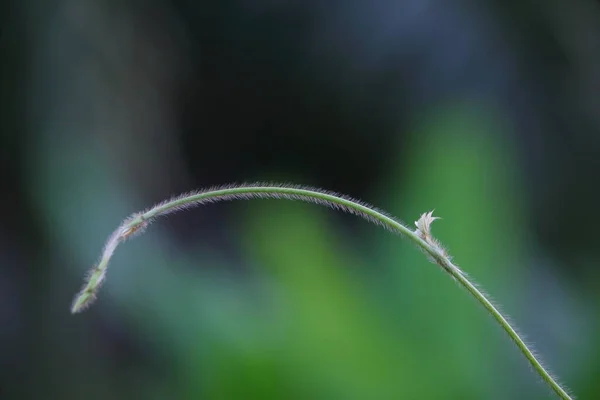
(486, 111)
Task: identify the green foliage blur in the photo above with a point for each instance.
(317, 314)
(268, 299)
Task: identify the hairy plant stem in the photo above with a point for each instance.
(421, 237)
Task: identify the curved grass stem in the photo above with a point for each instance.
(421, 237)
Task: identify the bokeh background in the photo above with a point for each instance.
(486, 111)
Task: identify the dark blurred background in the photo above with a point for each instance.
(486, 111)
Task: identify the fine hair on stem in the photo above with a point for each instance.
(421, 237)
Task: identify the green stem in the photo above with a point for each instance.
(420, 237)
(535, 363)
